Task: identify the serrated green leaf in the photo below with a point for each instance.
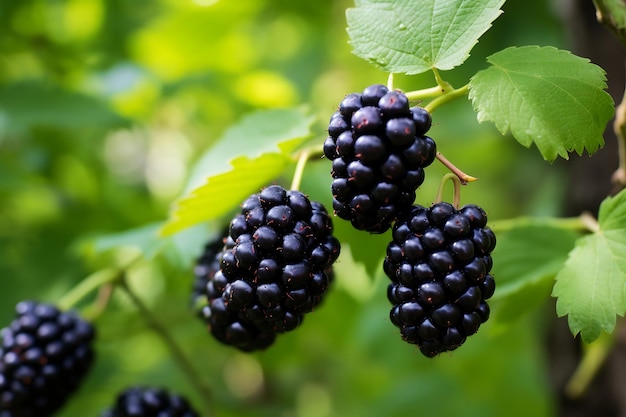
(591, 288)
(251, 154)
(545, 96)
(223, 192)
(413, 36)
(266, 131)
(526, 260)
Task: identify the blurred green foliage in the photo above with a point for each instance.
(104, 108)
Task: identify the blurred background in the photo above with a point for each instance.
(105, 105)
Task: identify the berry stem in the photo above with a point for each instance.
(87, 285)
(594, 357)
(177, 353)
(390, 81)
(456, 202)
(463, 177)
(304, 157)
(447, 97)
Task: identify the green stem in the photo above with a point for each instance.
(305, 156)
(176, 351)
(457, 189)
(583, 223)
(447, 97)
(87, 285)
(465, 178)
(594, 357)
(435, 91)
(444, 85)
(390, 81)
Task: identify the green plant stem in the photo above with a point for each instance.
(465, 178)
(435, 91)
(447, 97)
(87, 285)
(594, 356)
(390, 81)
(177, 353)
(304, 156)
(583, 223)
(457, 189)
(619, 126)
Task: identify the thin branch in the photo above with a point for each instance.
(176, 351)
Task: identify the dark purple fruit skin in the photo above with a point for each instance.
(377, 141)
(44, 357)
(275, 266)
(439, 264)
(141, 401)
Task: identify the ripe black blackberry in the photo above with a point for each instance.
(44, 356)
(149, 402)
(275, 267)
(379, 151)
(439, 262)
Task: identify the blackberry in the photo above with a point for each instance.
(276, 266)
(149, 402)
(439, 262)
(44, 356)
(379, 150)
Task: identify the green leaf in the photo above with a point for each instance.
(145, 238)
(268, 131)
(413, 36)
(223, 192)
(591, 288)
(249, 156)
(180, 249)
(544, 95)
(526, 260)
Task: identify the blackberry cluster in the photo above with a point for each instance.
(439, 262)
(379, 150)
(44, 356)
(276, 266)
(149, 402)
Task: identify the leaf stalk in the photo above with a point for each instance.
(594, 356)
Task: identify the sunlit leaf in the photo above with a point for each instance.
(269, 131)
(413, 36)
(591, 288)
(225, 191)
(250, 155)
(544, 96)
